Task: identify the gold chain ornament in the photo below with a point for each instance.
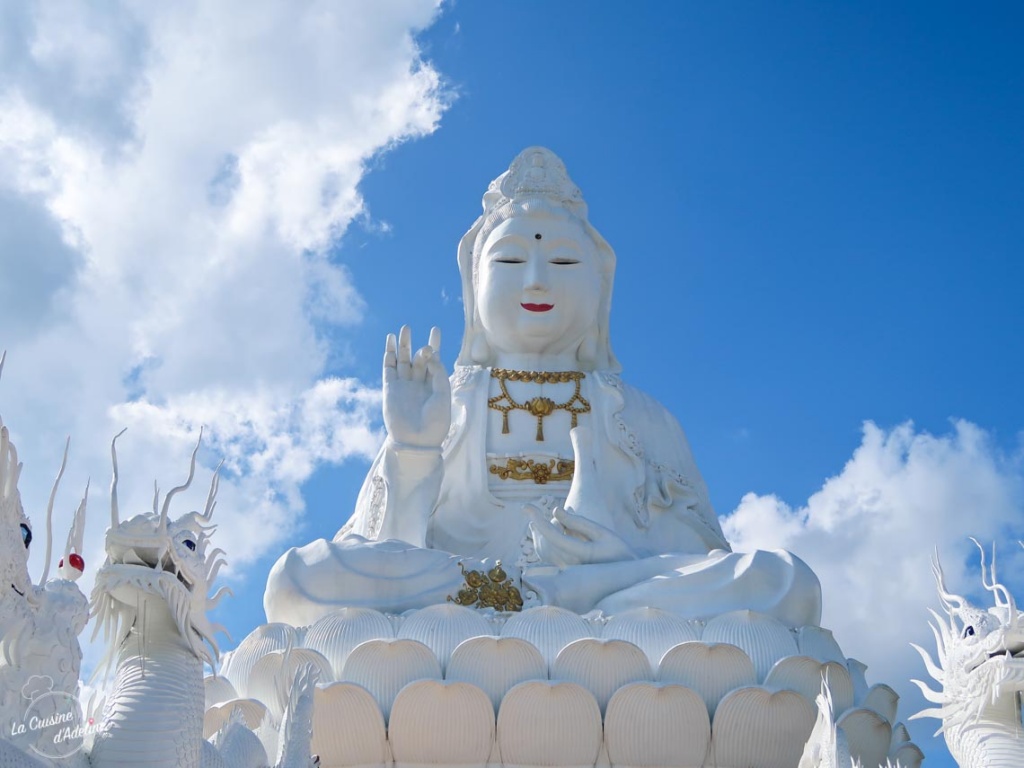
(538, 406)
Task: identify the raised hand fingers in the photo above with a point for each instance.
(404, 352)
(390, 358)
(419, 363)
(435, 340)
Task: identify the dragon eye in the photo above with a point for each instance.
(968, 631)
(26, 535)
(190, 544)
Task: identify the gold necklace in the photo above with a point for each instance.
(538, 406)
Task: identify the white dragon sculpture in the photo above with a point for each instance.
(980, 669)
(151, 599)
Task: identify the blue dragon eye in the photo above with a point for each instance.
(26, 535)
(190, 544)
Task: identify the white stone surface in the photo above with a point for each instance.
(348, 727)
(601, 666)
(496, 664)
(338, 633)
(761, 637)
(652, 630)
(754, 726)
(710, 669)
(543, 723)
(384, 667)
(547, 628)
(442, 627)
(436, 722)
(657, 724)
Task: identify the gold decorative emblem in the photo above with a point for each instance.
(538, 406)
(488, 590)
(539, 471)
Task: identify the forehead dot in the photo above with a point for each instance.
(537, 236)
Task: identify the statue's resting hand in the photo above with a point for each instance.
(417, 394)
(572, 539)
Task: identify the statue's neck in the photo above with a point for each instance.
(518, 361)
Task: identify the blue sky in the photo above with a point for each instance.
(817, 211)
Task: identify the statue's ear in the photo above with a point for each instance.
(479, 349)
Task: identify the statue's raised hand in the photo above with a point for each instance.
(417, 394)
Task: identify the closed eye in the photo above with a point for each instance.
(564, 261)
(508, 260)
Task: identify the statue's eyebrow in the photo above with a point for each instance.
(562, 241)
(517, 239)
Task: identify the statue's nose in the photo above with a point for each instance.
(536, 277)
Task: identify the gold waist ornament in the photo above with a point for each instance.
(540, 471)
(538, 406)
(493, 589)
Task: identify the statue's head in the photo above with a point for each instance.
(536, 277)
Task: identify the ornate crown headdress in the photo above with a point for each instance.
(535, 173)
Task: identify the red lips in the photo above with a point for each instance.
(537, 307)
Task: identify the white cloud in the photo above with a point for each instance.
(173, 178)
(869, 534)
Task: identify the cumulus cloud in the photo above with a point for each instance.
(173, 181)
(870, 531)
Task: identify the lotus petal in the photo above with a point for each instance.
(548, 628)
(273, 675)
(883, 700)
(657, 724)
(442, 627)
(218, 690)
(908, 755)
(818, 643)
(711, 670)
(337, 633)
(384, 667)
(238, 664)
(804, 675)
(764, 639)
(438, 722)
(652, 630)
(216, 716)
(543, 723)
(495, 664)
(868, 735)
(755, 727)
(348, 727)
(601, 666)
(857, 671)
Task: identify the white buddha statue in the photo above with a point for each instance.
(534, 452)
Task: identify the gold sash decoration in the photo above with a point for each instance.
(538, 406)
(488, 590)
(540, 472)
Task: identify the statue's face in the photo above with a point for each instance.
(539, 284)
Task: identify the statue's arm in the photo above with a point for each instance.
(402, 486)
(398, 494)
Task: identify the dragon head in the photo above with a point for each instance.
(150, 556)
(980, 651)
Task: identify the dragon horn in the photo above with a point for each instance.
(114, 516)
(174, 491)
(76, 536)
(49, 514)
(211, 499)
(950, 601)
